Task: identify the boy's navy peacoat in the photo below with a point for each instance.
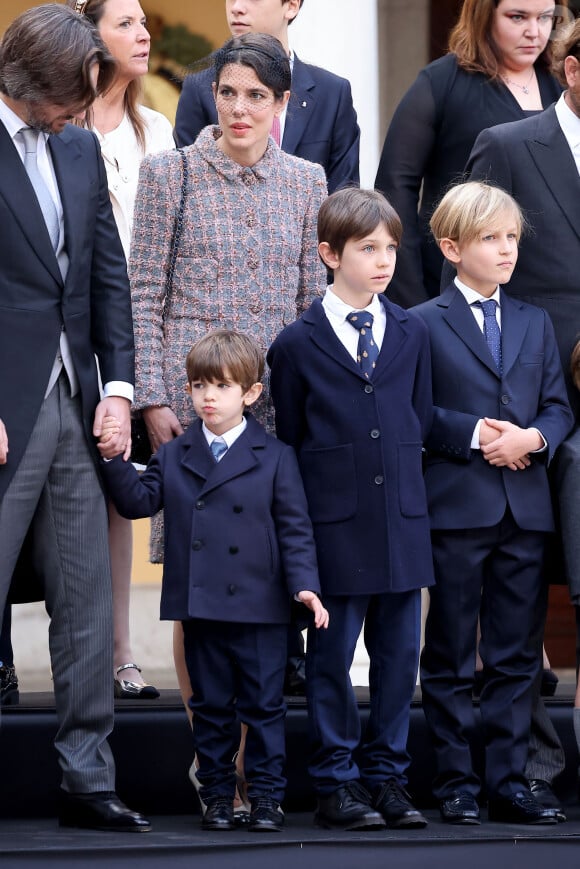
(238, 540)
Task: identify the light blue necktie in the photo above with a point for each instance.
(491, 330)
(218, 448)
(45, 200)
(367, 352)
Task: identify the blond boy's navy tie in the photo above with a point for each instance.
(491, 330)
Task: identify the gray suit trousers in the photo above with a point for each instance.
(56, 491)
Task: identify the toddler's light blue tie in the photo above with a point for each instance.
(218, 448)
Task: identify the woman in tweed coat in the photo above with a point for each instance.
(247, 257)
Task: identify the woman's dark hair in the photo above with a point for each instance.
(47, 55)
(472, 43)
(263, 53)
(93, 10)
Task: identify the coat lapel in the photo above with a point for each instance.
(71, 178)
(394, 338)
(17, 192)
(514, 325)
(551, 154)
(301, 107)
(239, 459)
(457, 315)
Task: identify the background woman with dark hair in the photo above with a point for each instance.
(496, 72)
(127, 131)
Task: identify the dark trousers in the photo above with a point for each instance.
(237, 674)
(391, 635)
(495, 573)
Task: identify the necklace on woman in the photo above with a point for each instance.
(523, 87)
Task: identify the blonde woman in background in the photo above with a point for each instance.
(127, 132)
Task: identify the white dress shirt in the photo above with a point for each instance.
(337, 311)
(570, 124)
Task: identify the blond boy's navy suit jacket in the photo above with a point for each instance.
(464, 490)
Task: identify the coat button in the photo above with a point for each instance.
(505, 399)
(231, 589)
(238, 508)
(369, 388)
(199, 505)
(196, 545)
(379, 480)
(234, 550)
(375, 433)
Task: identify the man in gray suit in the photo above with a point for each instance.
(537, 160)
(64, 300)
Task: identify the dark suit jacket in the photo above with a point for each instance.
(359, 446)
(532, 160)
(320, 123)
(93, 304)
(464, 490)
(425, 150)
(238, 540)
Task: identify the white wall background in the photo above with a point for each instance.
(341, 35)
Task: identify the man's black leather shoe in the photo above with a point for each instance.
(521, 808)
(348, 808)
(460, 807)
(544, 794)
(394, 804)
(102, 810)
(219, 814)
(266, 816)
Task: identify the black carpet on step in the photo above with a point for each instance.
(153, 751)
(178, 842)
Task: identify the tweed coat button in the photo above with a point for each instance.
(375, 433)
(232, 589)
(238, 508)
(369, 388)
(379, 480)
(196, 545)
(234, 550)
(251, 220)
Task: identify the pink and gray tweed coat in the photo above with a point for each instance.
(247, 259)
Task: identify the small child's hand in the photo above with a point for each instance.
(313, 602)
(511, 448)
(109, 429)
(111, 426)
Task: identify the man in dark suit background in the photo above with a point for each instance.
(320, 122)
(64, 300)
(537, 160)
